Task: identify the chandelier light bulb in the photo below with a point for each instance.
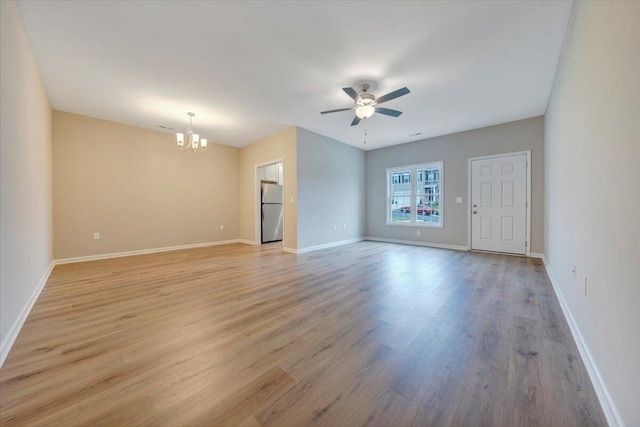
(180, 138)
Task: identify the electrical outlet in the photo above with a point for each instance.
(96, 236)
(344, 226)
(417, 232)
(334, 227)
(573, 270)
(221, 226)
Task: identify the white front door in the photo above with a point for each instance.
(499, 204)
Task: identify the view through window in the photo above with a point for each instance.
(414, 195)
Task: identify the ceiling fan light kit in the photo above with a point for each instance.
(366, 103)
(365, 111)
(193, 140)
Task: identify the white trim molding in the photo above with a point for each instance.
(536, 255)
(606, 401)
(143, 252)
(325, 246)
(248, 242)
(415, 243)
(10, 338)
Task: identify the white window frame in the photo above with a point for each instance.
(413, 196)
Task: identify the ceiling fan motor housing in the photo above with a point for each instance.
(366, 99)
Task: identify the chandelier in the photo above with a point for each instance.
(193, 140)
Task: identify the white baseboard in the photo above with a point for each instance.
(325, 246)
(536, 255)
(142, 252)
(415, 243)
(289, 250)
(10, 338)
(248, 242)
(608, 405)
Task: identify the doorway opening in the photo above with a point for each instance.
(270, 180)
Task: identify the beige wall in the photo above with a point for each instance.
(25, 177)
(137, 189)
(592, 212)
(455, 150)
(331, 182)
(279, 147)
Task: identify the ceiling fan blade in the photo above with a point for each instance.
(355, 121)
(392, 95)
(335, 111)
(352, 93)
(388, 111)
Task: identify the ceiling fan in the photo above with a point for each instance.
(366, 103)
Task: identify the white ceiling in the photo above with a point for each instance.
(251, 69)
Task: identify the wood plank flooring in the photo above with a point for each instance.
(363, 334)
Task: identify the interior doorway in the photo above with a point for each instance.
(270, 215)
(499, 200)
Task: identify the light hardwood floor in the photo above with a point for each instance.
(362, 334)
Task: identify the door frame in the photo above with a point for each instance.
(527, 230)
(258, 201)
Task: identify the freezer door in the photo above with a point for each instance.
(271, 222)
(271, 193)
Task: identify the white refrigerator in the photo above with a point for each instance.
(272, 215)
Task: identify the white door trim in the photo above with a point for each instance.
(528, 219)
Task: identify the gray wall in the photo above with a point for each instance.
(331, 179)
(455, 150)
(592, 212)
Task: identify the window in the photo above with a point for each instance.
(414, 195)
